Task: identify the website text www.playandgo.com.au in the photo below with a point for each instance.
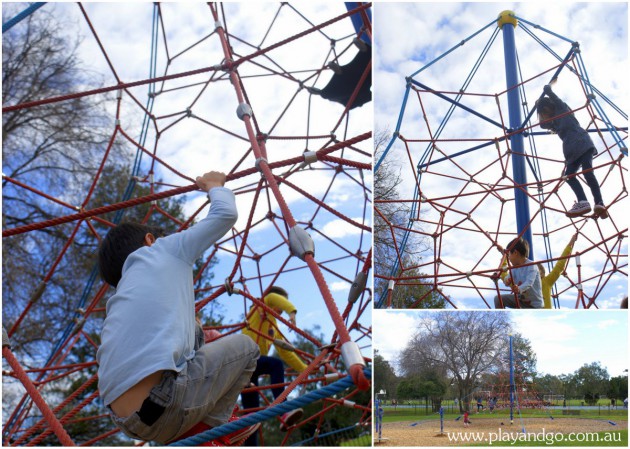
(549, 438)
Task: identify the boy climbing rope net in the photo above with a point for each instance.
(155, 378)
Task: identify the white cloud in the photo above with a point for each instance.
(462, 212)
(339, 286)
(392, 331)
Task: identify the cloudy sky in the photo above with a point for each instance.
(197, 129)
(563, 341)
(410, 36)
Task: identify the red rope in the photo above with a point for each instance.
(37, 398)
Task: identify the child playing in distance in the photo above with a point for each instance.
(261, 322)
(154, 377)
(578, 149)
(524, 280)
(466, 419)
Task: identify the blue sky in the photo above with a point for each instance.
(192, 147)
(411, 35)
(562, 340)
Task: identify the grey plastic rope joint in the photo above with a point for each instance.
(243, 110)
(218, 25)
(258, 162)
(357, 287)
(310, 157)
(351, 354)
(300, 243)
(6, 343)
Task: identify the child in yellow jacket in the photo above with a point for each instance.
(264, 323)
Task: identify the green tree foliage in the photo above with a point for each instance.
(618, 388)
(429, 385)
(592, 381)
(384, 377)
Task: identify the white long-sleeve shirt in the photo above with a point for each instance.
(150, 322)
(528, 281)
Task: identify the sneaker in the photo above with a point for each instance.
(600, 211)
(579, 208)
(237, 438)
(290, 419)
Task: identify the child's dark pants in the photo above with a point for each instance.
(265, 365)
(586, 162)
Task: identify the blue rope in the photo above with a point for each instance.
(544, 29)
(269, 413)
(453, 48)
(21, 16)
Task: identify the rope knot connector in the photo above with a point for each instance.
(229, 287)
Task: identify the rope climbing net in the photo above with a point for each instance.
(254, 106)
(455, 143)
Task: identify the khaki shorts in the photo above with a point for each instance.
(205, 390)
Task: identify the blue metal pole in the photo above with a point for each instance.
(508, 23)
(511, 383)
(21, 16)
(357, 21)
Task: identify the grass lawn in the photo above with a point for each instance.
(363, 440)
(408, 415)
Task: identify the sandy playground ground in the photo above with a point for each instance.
(427, 433)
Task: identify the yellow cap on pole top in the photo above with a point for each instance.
(507, 17)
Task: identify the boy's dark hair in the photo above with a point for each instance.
(546, 105)
(119, 242)
(520, 245)
(279, 291)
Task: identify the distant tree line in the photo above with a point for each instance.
(453, 355)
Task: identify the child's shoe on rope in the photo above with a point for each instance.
(238, 437)
(290, 418)
(579, 208)
(600, 211)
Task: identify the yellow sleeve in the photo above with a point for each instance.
(279, 301)
(554, 274)
(291, 359)
(504, 272)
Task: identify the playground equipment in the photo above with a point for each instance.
(511, 390)
(467, 154)
(378, 417)
(291, 156)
